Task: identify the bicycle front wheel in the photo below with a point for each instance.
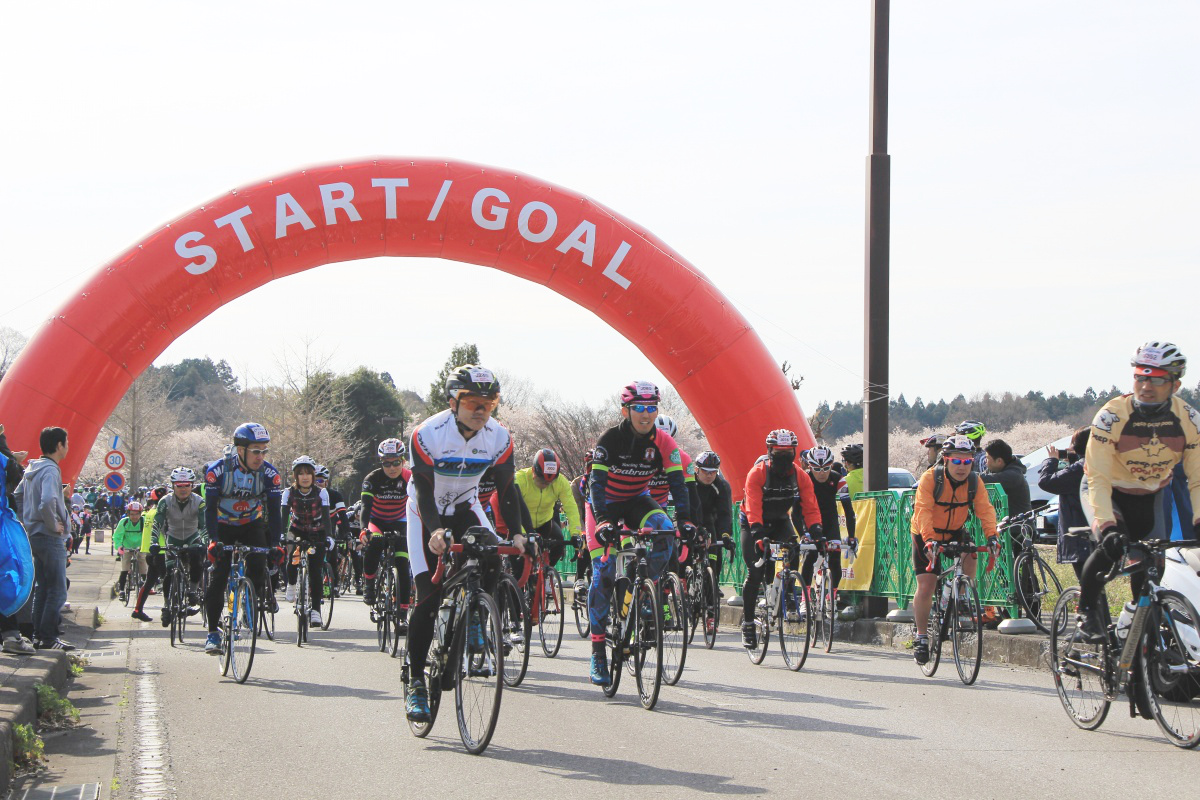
(1037, 589)
(762, 630)
(383, 609)
(618, 635)
(1080, 668)
(1170, 662)
(478, 657)
(579, 605)
(550, 615)
(712, 608)
(695, 601)
(936, 631)
(966, 625)
(795, 621)
(826, 609)
(241, 635)
(515, 630)
(675, 627)
(327, 595)
(647, 644)
(178, 612)
(302, 606)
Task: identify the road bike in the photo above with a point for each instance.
(345, 568)
(177, 603)
(820, 599)
(955, 612)
(579, 602)
(237, 623)
(544, 597)
(780, 607)
(304, 602)
(264, 620)
(516, 623)
(1154, 661)
(133, 582)
(701, 588)
(1036, 587)
(388, 613)
(466, 655)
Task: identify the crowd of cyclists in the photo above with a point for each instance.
(456, 471)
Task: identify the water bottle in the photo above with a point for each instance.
(625, 601)
(946, 590)
(1125, 620)
(443, 618)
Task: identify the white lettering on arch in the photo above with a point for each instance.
(234, 218)
(547, 230)
(389, 193)
(288, 212)
(583, 239)
(336, 196)
(183, 246)
(498, 214)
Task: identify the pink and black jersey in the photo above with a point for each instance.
(385, 501)
(625, 462)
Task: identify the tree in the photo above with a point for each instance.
(143, 419)
(369, 400)
(12, 342)
(460, 355)
(795, 382)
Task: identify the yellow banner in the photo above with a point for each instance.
(857, 571)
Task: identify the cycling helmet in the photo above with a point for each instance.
(158, 492)
(936, 440)
(183, 475)
(639, 392)
(853, 453)
(708, 461)
(663, 422)
(589, 456)
(975, 431)
(133, 506)
(781, 437)
(322, 472)
(545, 464)
(250, 433)
(1160, 355)
(957, 444)
(470, 379)
(304, 461)
(819, 458)
(391, 448)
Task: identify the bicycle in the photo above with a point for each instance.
(702, 590)
(133, 583)
(579, 603)
(473, 672)
(237, 624)
(176, 603)
(345, 569)
(1157, 666)
(303, 602)
(388, 613)
(780, 608)
(820, 599)
(543, 590)
(516, 624)
(955, 610)
(1035, 582)
(634, 629)
(264, 623)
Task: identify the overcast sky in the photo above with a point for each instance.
(1044, 161)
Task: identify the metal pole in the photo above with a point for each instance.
(879, 183)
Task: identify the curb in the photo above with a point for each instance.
(18, 697)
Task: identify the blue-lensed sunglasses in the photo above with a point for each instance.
(958, 462)
(642, 409)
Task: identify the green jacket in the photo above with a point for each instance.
(129, 533)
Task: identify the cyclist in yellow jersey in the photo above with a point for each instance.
(542, 486)
(852, 456)
(1136, 441)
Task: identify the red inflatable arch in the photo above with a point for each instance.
(79, 365)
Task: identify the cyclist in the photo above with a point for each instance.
(242, 493)
(828, 487)
(852, 455)
(179, 522)
(625, 459)
(583, 504)
(543, 486)
(354, 546)
(933, 449)
(127, 538)
(778, 502)
(341, 520)
(944, 499)
(306, 516)
(450, 451)
(660, 490)
(385, 508)
(1136, 442)
(715, 509)
(975, 431)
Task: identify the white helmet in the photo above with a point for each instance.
(1161, 355)
(304, 461)
(183, 475)
(391, 448)
(663, 422)
(957, 444)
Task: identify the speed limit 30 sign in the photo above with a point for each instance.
(114, 460)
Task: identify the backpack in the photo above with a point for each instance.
(939, 481)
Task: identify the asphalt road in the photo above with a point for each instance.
(326, 720)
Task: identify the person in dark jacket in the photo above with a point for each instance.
(1004, 468)
(10, 627)
(1072, 550)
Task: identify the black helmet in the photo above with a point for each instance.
(708, 460)
(853, 453)
(470, 379)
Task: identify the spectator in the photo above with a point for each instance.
(10, 477)
(1002, 467)
(44, 514)
(1072, 550)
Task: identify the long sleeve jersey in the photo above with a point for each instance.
(625, 462)
(773, 496)
(541, 501)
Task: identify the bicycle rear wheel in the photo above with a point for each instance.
(515, 630)
(711, 608)
(478, 685)
(795, 627)
(675, 627)
(966, 625)
(242, 636)
(1080, 668)
(1037, 589)
(695, 602)
(345, 577)
(647, 644)
(327, 585)
(433, 685)
(550, 615)
(1170, 664)
(580, 607)
(936, 631)
(826, 609)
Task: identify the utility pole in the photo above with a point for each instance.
(879, 198)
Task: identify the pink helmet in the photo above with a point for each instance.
(639, 392)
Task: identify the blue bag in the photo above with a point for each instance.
(16, 557)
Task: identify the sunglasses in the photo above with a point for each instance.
(641, 408)
(258, 451)
(1155, 380)
(958, 462)
(391, 462)
(476, 403)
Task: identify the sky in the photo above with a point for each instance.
(1044, 172)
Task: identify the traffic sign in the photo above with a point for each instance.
(114, 460)
(114, 481)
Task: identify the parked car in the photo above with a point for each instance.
(900, 479)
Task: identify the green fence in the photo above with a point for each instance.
(893, 576)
